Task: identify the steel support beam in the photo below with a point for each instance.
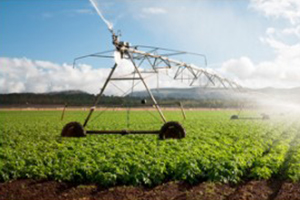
(148, 90)
(99, 95)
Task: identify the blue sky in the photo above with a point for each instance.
(48, 30)
(242, 39)
(60, 30)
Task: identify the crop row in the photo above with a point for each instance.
(216, 149)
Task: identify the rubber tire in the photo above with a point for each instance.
(265, 117)
(234, 117)
(73, 129)
(172, 130)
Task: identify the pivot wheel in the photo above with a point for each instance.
(265, 116)
(73, 129)
(172, 130)
(234, 117)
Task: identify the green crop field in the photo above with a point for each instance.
(215, 148)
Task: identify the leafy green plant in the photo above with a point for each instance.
(215, 149)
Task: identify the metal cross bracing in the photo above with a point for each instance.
(151, 60)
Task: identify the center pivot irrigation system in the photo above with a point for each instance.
(145, 60)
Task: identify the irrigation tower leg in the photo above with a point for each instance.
(148, 90)
(63, 112)
(182, 110)
(99, 95)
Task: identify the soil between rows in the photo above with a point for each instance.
(28, 189)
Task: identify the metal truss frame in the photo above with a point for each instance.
(157, 59)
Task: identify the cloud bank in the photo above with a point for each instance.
(25, 75)
(284, 69)
(259, 48)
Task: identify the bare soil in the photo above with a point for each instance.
(28, 189)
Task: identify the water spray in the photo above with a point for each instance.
(108, 23)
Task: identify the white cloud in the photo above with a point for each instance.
(241, 68)
(234, 34)
(218, 30)
(84, 11)
(275, 73)
(287, 9)
(69, 13)
(215, 30)
(284, 69)
(148, 12)
(226, 32)
(292, 31)
(47, 15)
(25, 75)
(154, 10)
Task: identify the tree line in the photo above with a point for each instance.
(85, 99)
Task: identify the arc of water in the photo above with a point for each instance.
(108, 23)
